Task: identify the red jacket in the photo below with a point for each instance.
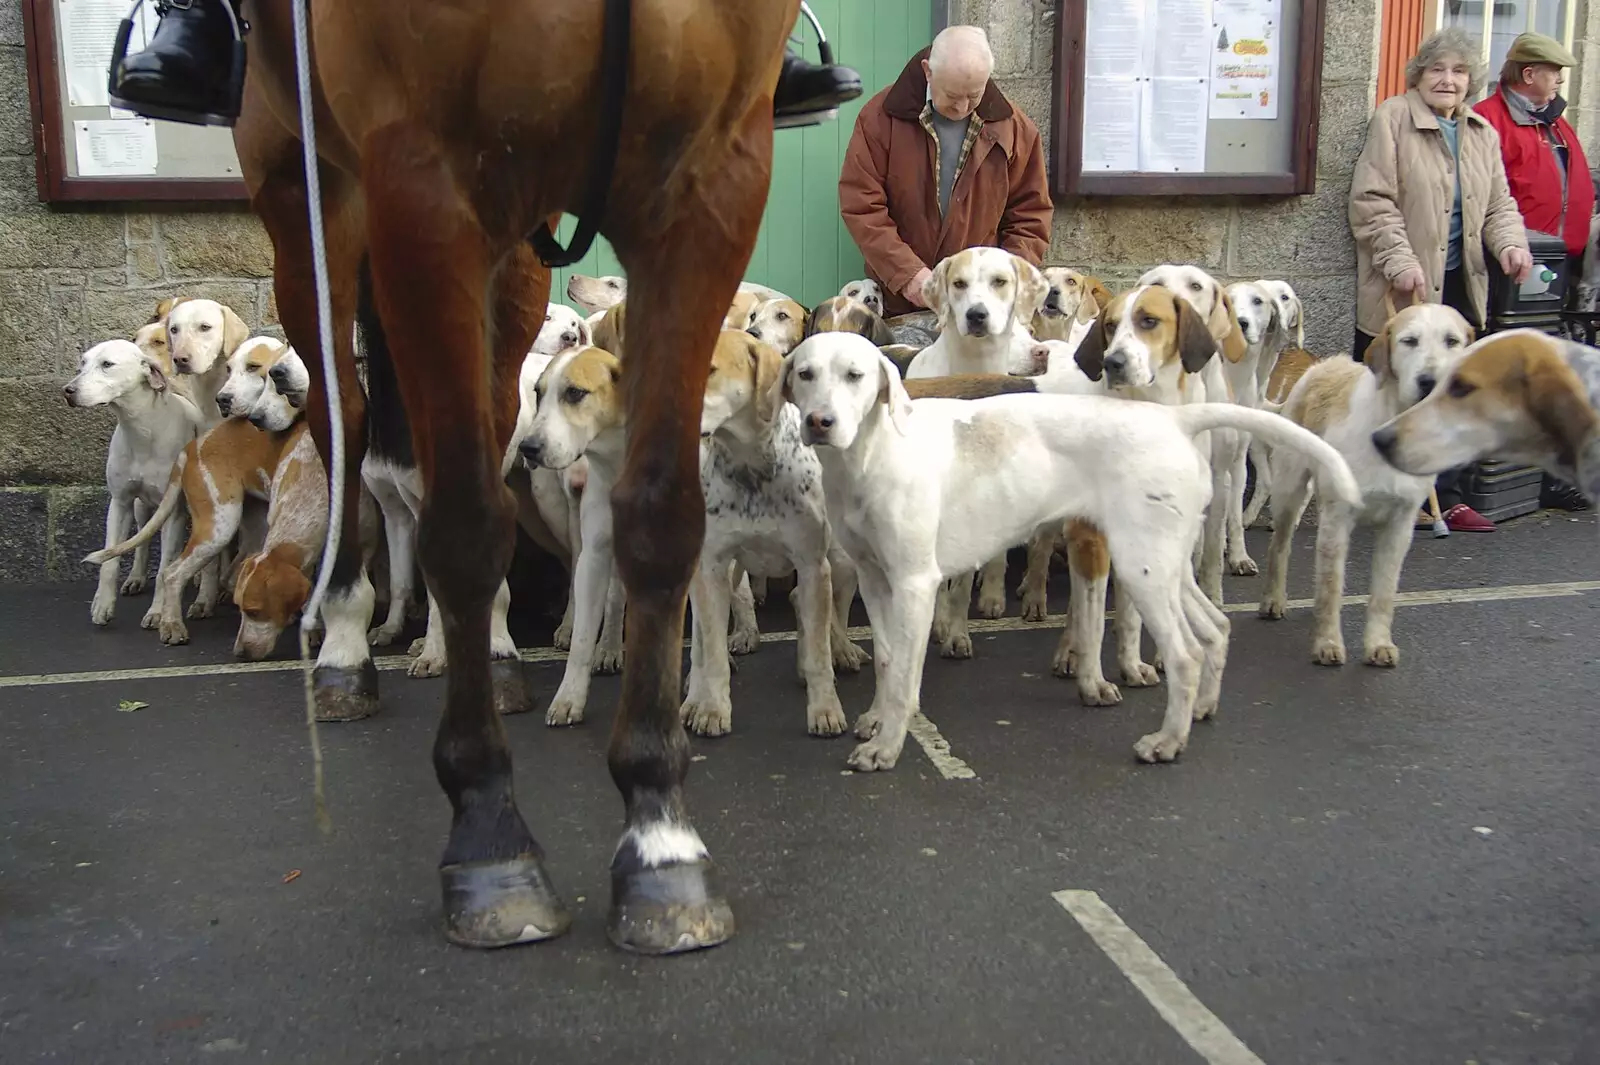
(1534, 174)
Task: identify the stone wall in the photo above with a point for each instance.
(1303, 239)
(70, 278)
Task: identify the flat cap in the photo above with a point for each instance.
(1537, 48)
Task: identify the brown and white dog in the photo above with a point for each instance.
(1073, 301)
(1518, 395)
(202, 335)
(781, 323)
(1345, 403)
(840, 314)
(867, 293)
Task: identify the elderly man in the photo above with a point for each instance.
(1545, 166)
(941, 161)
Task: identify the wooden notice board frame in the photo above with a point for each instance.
(1298, 177)
(56, 182)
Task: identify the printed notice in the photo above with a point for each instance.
(1246, 55)
(1114, 33)
(115, 147)
(1111, 124)
(88, 31)
(1172, 129)
(1180, 38)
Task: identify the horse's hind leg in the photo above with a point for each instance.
(345, 681)
(432, 274)
(680, 281)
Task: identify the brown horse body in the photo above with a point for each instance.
(446, 132)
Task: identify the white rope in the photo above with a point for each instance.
(330, 379)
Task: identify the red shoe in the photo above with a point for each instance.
(1462, 518)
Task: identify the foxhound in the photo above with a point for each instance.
(865, 292)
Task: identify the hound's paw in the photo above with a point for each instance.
(992, 605)
(707, 716)
(1205, 710)
(1386, 655)
(867, 725)
(744, 641)
(563, 711)
(562, 640)
(875, 755)
(1158, 663)
(826, 718)
(382, 636)
(1140, 675)
(1158, 747)
(1328, 651)
(940, 633)
(1243, 567)
(758, 590)
(416, 646)
(1034, 606)
(607, 661)
(102, 610)
(847, 656)
(957, 646)
(1098, 693)
(427, 664)
(1272, 608)
(134, 585)
(201, 609)
(174, 632)
(1213, 592)
(151, 619)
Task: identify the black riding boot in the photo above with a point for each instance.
(186, 73)
(808, 94)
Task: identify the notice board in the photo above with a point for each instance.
(1175, 97)
(85, 150)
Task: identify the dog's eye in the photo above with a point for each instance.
(574, 394)
(105, 366)
(547, 319)
(205, 327)
(958, 284)
(1409, 342)
(1000, 282)
(1460, 389)
(612, 284)
(1258, 301)
(1071, 283)
(1194, 286)
(1452, 342)
(783, 316)
(1148, 322)
(804, 375)
(852, 376)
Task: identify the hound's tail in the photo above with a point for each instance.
(169, 502)
(1334, 479)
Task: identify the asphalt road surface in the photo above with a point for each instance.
(1347, 866)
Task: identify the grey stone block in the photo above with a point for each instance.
(1010, 25)
(35, 237)
(11, 22)
(1032, 97)
(1133, 235)
(1350, 42)
(45, 442)
(77, 527)
(1301, 234)
(27, 326)
(215, 244)
(24, 534)
(1346, 110)
(16, 122)
(119, 312)
(1329, 303)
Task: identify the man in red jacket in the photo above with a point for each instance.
(1545, 166)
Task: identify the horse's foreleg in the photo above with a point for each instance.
(432, 273)
(345, 681)
(680, 281)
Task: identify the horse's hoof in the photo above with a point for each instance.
(510, 691)
(345, 694)
(667, 910)
(498, 904)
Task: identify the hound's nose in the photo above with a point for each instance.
(1244, 326)
(278, 374)
(1384, 440)
(1116, 362)
(1426, 383)
(978, 315)
(531, 451)
(181, 362)
(819, 423)
(224, 404)
(1053, 300)
(754, 331)
(569, 339)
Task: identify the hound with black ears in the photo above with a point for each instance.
(766, 511)
(920, 490)
(985, 299)
(1344, 402)
(153, 425)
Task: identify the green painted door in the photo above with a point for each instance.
(804, 249)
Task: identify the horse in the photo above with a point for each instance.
(443, 143)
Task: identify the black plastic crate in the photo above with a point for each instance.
(1502, 490)
(1545, 290)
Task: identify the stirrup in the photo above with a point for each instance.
(825, 55)
(236, 72)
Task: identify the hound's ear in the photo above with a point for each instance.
(933, 291)
(607, 335)
(1032, 289)
(1091, 353)
(1276, 336)
(585, 334)
(1297, 320)
(1088, 306)
(781, 392)
(878, 330)
(234, 332)
(1377, 356)
(1224, 326)
(155, 375)
(766, 364)
(810, 327)
(1097, 289)
(1196, 343)
(163, 308)
(1557, 402)
(892, 393)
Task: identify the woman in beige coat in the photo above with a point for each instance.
(1428, 200)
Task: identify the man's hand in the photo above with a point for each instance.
(913, 289)
(1516, 263)
(1410, 280)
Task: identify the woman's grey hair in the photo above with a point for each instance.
(1449, 43)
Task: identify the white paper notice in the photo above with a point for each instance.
(1115, 36)
(1172, 130)
(88, 30)
(111, 147)
(1180, 39)
(1246, 55)
(1111, 124)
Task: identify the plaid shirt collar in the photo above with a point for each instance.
(974, 125)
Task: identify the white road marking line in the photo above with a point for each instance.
(1198, 1026)
(937, 748)
(390, 663)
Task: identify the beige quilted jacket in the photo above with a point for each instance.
(1401, 198)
